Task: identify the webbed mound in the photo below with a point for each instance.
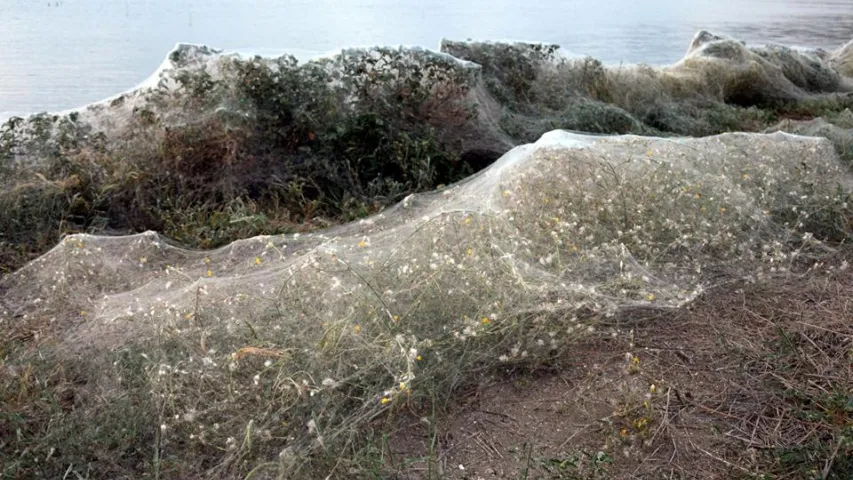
(215, 146)
(763, 76)
(838, 130)
(842, 59)
(294, 344)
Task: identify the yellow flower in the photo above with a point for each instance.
(485, 321)
(209, 272)
(623, 432)
(723, 210)
(257, 260)
(653, 388)
(469, 252)
(143, 259)
(385, 400)
(467, 220)
(396, 318)
(362, 244)
(419, 358)
(650, 297)
(402, 385)
(357, 328)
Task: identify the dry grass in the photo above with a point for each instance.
(751, 381)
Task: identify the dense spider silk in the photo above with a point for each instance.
(294, 340)
(276, 352)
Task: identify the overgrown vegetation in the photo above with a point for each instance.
(227, 148)
(276, 356)
(265, 147)
(293, 356)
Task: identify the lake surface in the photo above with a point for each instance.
(62, 54)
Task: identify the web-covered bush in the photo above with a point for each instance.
(275, 354)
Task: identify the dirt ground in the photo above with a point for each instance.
(750, 381)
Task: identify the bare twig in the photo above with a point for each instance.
(828, 466)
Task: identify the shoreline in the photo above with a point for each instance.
(305, 56)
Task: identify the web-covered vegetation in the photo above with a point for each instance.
(277, 354)
(223, 147)
(280, 355)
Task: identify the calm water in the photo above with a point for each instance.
(67, 53)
